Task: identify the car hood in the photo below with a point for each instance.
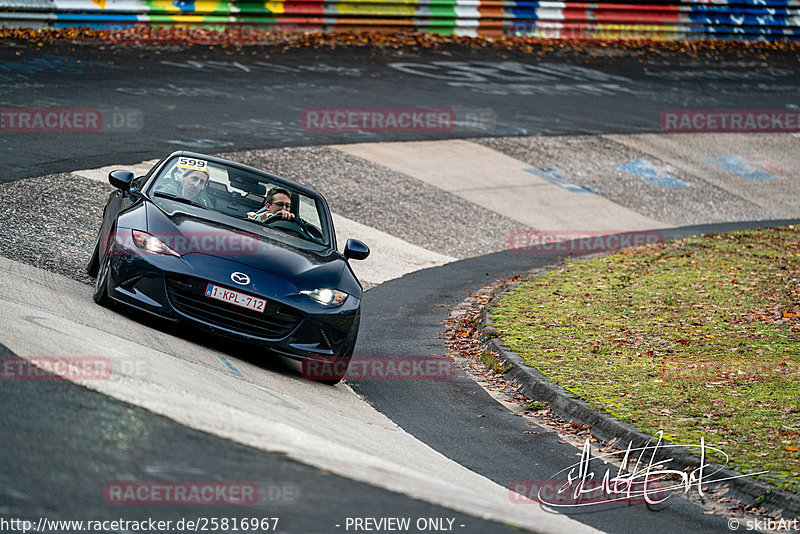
(188, 234)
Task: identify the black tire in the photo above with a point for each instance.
(342, 362)
(94, 261)
(335, 368)
(100, 295)
(93, 266)
(328, 371)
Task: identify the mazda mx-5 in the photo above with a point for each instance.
(233, 250)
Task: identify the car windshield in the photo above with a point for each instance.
(188, 181)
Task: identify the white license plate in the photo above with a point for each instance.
(234, 297)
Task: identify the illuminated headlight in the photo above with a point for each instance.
(152, 244)
(330, 297)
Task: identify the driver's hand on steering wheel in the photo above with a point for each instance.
(265, 216)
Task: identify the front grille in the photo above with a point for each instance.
(187, 295)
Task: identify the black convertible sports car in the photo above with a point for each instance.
(232, 250)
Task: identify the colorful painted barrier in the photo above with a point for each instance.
(651, 19)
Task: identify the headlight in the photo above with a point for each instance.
(329, 297)
(152, 244)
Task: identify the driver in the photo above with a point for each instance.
(191, 186)
(278, 200)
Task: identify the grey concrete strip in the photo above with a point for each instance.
(330, 428)
(763, 169)
(641, 181)
(501, 183)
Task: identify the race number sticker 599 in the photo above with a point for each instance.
(191, 163)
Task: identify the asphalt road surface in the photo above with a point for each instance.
(146, 100)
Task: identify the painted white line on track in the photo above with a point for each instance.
(390, 257)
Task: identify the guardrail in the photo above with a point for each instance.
(647, 19)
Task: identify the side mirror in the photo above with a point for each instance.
(121, 179)
(355, 250)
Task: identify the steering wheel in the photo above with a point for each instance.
(300, 223)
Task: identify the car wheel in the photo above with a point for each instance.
(101, 283)
(336, 370)
(329, 371)
(92, 266)
(340, 366)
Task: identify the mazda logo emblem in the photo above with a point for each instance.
(240, 278)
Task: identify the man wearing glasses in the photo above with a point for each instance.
(279, 200)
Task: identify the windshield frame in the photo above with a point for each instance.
(253, 175)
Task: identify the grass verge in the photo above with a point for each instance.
(697, 337)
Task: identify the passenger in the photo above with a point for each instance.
(192, 187)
